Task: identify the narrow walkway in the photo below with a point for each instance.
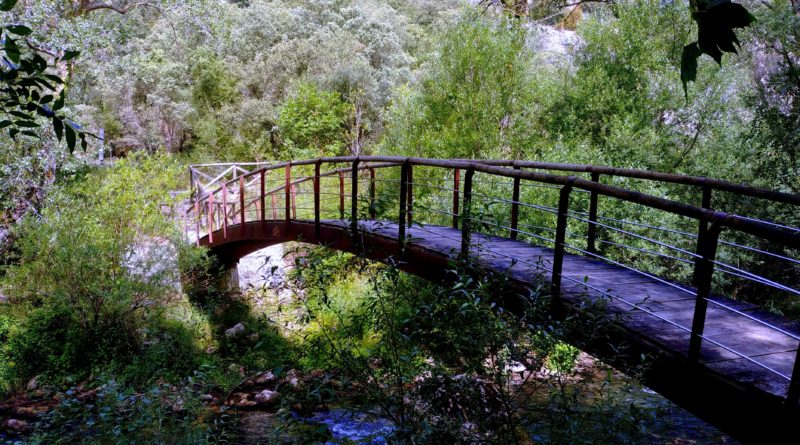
(651, 308)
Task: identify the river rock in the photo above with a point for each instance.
(16, 426)
(265, 378)
(33, 384)
(235, 331)
(267, 397)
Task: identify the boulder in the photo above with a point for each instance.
(267, 397)
(235, 331)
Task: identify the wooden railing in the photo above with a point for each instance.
(255, 196)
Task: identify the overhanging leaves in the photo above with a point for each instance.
(716, 21)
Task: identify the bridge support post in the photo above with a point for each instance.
(401, 221)
(514, 208)
(561, 234)
(466, 230)
(591, 231)
(704, 270)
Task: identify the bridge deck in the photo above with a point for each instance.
(649, 308)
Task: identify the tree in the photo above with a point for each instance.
(29, 90)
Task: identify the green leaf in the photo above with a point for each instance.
(59, 103)
(12, 50)
(70, 138)
(19, 30)
(26, 124)
(58, 126)
(7, 5)
(69, 55)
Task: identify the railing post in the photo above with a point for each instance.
(456, 185)
(591, 231)
(225, 210)
(410, 199)
(197, 217)
(317, 226)
(401, 220)
(514, 208)
(354, 201)
(211, 218)
(288, 195)
(241, 202)
(704, 271)
(793, 395)
(561, 235)
(372, 213)
(702, 230)
(466, 233)
(341, 195)
(262, 198)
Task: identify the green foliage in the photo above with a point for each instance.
(92, 276)
(314, 123)
(212, 83)
(473, 102)
(160, 414)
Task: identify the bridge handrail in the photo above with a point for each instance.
(743, 224)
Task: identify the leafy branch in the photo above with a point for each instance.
(716, 20)
(28, 89)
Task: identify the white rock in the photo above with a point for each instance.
(267, 397)
(235, 331)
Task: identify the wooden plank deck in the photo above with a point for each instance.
(655, 309)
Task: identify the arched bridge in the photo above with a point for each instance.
(672, 257)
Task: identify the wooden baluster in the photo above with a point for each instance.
(317, 225)
(211, 218)
(262, 198)
(561, 235)
(466, 230)
(456, 185)
(354, 202)
(341, 195)
(401, 220)
(287, 196)
(514, 207)
(197, 217)
(793, 395)
(225, 210)
(410, 199)
(242, 217)
(294, 201)
(702, 231)
(591, 231)
(372, 214)
(704, 272)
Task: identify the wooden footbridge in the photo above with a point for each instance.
(670, 266)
